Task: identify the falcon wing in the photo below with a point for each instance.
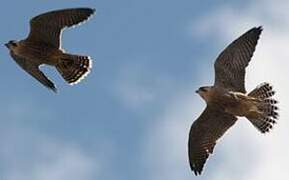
(204, 133)
(34, 71)
(47, 27)
(231, 63)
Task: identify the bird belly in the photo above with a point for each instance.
(242, 105)
(39, 54)
(52, 57)
(238, 110)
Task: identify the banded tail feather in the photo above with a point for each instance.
(263, 91)
(267, 106)
(73, 68)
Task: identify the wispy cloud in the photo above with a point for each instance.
(28, 155)
(138, 85)
(164, 145)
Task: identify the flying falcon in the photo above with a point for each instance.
(227, 99)
(43, 46)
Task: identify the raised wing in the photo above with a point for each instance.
(231, 63)
(46, 28)
(34, 71)
(204, 133)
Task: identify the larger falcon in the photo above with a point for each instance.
(227, 99)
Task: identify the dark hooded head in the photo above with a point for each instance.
(11, 44)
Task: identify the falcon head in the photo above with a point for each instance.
(204, 92)
(11, 44)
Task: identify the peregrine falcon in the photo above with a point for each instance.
(227, 99)
(43, 46)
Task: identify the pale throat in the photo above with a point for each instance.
(15, 49)
(206, 96)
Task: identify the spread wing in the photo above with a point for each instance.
(33, 70)
(204, 133)
(231, 63)
(47, 27)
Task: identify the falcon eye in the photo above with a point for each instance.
(203, 89)
(13, 43)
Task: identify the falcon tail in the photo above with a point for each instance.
(73, 68)
(267, 107)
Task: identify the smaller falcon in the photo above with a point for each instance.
(43, 46)
(227, 99)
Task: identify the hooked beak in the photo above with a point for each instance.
(7, 45)
(197, 91)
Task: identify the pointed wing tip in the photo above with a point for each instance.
(259, 29)
(197, 169)
(91, 10)
(197, 172)
(53, 88)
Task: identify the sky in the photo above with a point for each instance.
(130, 118)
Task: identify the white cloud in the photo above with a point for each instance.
(243, 153)
(137, 86)
(28, 155)
(165, 144)
(132, 87)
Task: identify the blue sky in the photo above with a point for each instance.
(130, 118)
